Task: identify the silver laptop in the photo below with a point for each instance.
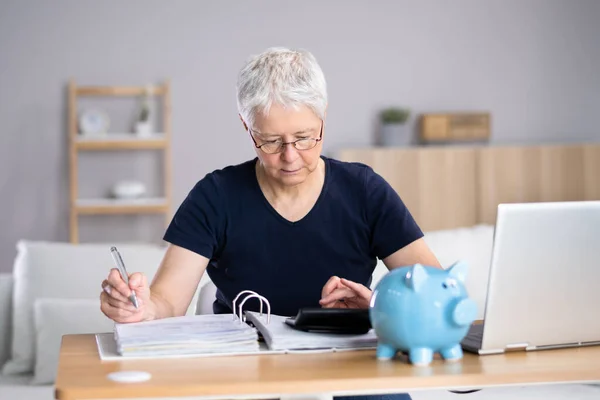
(544, 281)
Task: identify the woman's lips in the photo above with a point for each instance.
(288, 171)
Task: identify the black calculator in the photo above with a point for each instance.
(331, 320)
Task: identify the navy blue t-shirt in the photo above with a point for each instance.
(357, 218)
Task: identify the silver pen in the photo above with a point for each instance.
(121, 266)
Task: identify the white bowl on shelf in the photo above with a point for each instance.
(128, 190)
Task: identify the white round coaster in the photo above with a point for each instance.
(129, 376)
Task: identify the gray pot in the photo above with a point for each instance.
(395, 135)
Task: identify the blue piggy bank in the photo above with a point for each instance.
(422, 310)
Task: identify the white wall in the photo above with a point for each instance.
(534, 64)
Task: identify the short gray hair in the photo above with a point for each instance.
(282, 76)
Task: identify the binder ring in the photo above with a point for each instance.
(261, 298)
(249, 297)
(253, 294)
(237, 297)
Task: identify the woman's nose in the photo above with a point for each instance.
(289, 153)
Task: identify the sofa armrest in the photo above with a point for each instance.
(5, 316)
(206, 297)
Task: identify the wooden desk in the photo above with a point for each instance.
(82, 375)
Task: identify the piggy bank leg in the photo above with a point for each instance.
(420, 356)
(385, 351)
(453, 353)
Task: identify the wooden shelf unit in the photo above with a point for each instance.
(120, 206)
(117, 141)
(121, 90)
(121, 141)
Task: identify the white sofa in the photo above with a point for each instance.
(54, 290)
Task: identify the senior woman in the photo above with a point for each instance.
(299, 228)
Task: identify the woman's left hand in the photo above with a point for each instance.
(342, 293)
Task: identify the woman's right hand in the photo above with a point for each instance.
(114, 298)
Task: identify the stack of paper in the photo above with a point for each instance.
(280, 336)
(186, 335)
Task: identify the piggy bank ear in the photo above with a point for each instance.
(458, 270)
(416, 277)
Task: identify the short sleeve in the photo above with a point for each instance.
(198, 223)
(391, 223)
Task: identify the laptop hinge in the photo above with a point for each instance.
(516, 347)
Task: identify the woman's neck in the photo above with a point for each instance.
(278, 194)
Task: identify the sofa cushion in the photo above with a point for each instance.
(206, 297)
(473, 245)
(17, 387)
(55, 318)
(68, 271)
(5, 316)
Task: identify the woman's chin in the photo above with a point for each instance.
(292, 177)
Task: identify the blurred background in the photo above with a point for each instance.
(532, 66)
(111, 111)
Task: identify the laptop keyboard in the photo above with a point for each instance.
(474, 337)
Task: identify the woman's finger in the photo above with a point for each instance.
(122, 306)
(107, 304)
(116, 282)
(119, 315)
(125, 305)
(112, 292)
(332, 284)
(337, 304)
(338, 294)
(361, 290)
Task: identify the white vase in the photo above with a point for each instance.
(395, 135)
(143, 128)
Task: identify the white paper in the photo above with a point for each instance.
(220, 335)
(280, 336)
(186, 335)
(107, 351)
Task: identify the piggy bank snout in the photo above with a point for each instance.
(464, 312)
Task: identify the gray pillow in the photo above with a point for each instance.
(55, 318)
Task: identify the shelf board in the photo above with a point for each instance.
(120, 141)
(122, 206)
(119, 90)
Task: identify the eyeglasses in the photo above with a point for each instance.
(277, 146)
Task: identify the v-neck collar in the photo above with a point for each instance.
(313, 208)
